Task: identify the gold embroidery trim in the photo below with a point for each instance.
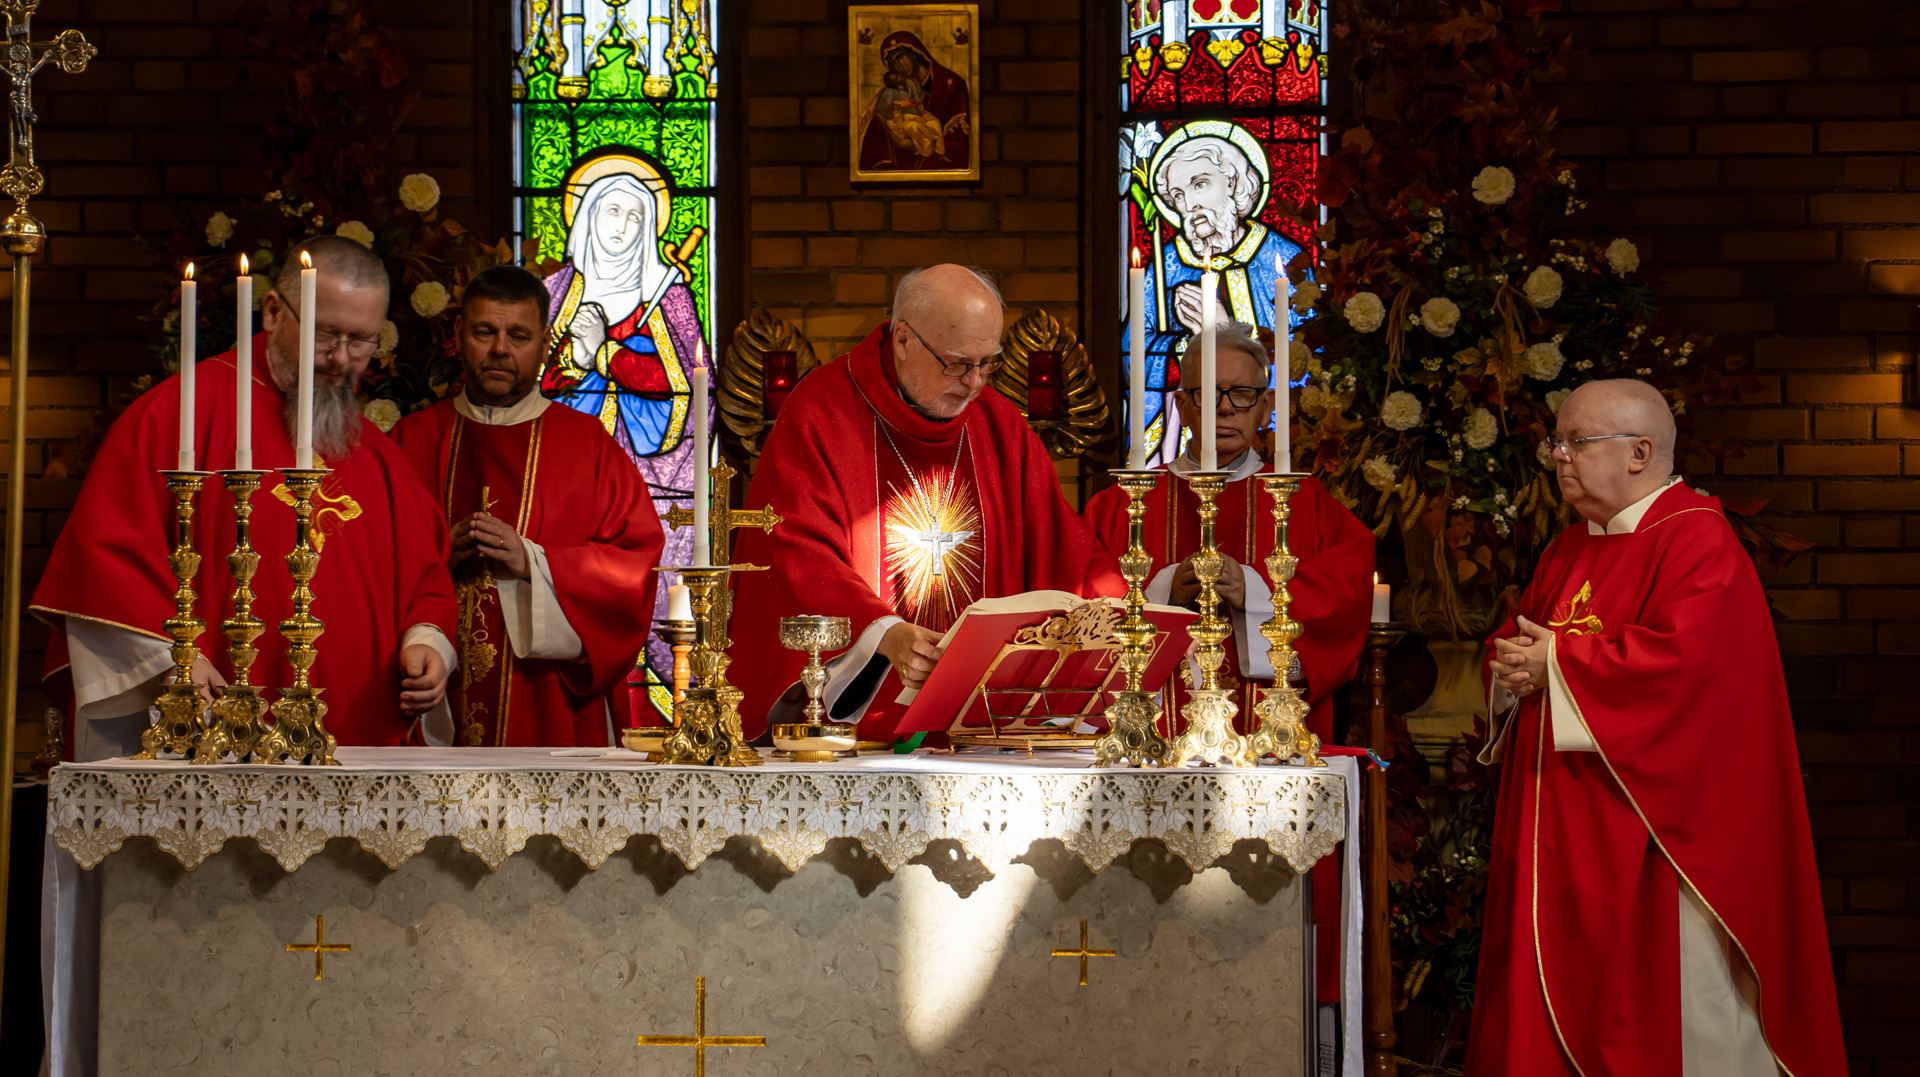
(1579, 619)
(331, 512)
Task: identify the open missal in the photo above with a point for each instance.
(1037, 662)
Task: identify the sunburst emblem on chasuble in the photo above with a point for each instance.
(933, 549)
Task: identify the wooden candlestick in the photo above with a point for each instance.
(1379, 1037)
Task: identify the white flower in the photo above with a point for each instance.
(357, 232)
(261, 286)
(1544, 361)
(1557, 398)
(1380, 473)
(419, 192)
(1365, 312)
(1306, 295)
(429, 299)
(1543, 287)
(1439, 315)
(1543, 452)
(1493, 186)
(1315, 399)
(1481, 429)
(389, 338)
(219, 229)
(382, 413)
(1298, 358)
(1623, 256)
(1400, 410)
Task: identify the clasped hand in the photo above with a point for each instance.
(491, 538)
(1520, 661)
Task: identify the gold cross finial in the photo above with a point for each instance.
(69, 51)
(319, 947)
(1083, 953)
(700, 1041)
(722, 518)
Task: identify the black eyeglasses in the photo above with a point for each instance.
(325, 340)
(954, 368)
(1241, 397)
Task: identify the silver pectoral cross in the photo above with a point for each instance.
(69, 51)
(938, 544)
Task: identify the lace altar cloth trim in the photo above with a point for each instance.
(393, 801)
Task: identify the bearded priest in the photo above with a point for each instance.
(905, 493)
(554, 535)
(382, 588)
(1652, 905)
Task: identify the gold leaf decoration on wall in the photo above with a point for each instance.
(743, 375)
(1084, 410)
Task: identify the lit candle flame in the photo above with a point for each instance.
(1376, 577)
(306, 260)
(1136, 258)
(243, 266)
(189, 271)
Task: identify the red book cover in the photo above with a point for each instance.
(1039, 660)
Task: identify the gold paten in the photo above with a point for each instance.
(1083, 952)
(700, 1041)
(1133, 718)
(1209, 737)
(177, 715)
(1283, 731)
(298, 734)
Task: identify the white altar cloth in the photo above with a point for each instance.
(392, 802)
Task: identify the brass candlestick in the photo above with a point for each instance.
(1133, 718)
(707, 721)
(814, 740)
(1209, 736)
(177, 715)
(237, 726)
(1379, 1035)
(1283, 731)
(298, 735)
(679, 637)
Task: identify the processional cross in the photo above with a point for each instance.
(69, 51)
(722, 518)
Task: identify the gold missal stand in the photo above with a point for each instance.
(1091, 627)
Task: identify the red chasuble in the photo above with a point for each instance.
(1665, 645)
(873, 498)
(560, 481)
(383, 550)
(1331, 589)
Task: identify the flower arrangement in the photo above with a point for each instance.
(1457, 307)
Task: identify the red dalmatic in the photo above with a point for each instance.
(383, 550)
(560, 481)
(873, 498)
(1666, 649)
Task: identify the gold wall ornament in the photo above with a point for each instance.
(722, 518)
(1282, 711)
(1133, 718)
(178, 715)
(298, 734)
(743, 377)
(319, 947)
(699, 1041)
(1083, 953)
(1209, 736)
(1083, 408)
(237, 714)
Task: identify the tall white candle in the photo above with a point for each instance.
(1137, 364)
(189, 317)
(702, 451)
(243, 369)
(1283, 369)
(303, 431)
(1382, 601)
(1209, 378)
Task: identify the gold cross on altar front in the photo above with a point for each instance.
(1083, 953)
(69, 51)
(700, 1041)
(722, 518)
(319, 948)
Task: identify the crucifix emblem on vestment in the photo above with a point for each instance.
(937, 545)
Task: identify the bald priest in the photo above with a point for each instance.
(906, 492)
(1652, 905)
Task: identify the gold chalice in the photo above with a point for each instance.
(814, 740)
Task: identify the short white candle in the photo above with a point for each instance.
(702, 539)
(303, 433)
(1137, 364)
(1209, 376)
(1382, 601)
(679, 603)
(243, 369)
(189, 317)
(1283, 370)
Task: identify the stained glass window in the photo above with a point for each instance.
(1220, 138)
(614, 107)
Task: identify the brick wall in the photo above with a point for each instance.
(1766, 153)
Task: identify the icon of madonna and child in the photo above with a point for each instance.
(626, 332)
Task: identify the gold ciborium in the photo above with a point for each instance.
(178, 722)
(1133, 732)
(814, 740)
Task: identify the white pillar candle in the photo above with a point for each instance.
(1382, 601)
(679, 603)
(189, 317)
(1283, 370)
(303, 430)
(1209, 378)
(702, 539)
(243, 369)
(1137, 364)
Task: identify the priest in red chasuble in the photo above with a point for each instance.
(382, 588)
(1652, 906)
(1332, 587)
(905, 493)
(554, 536)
